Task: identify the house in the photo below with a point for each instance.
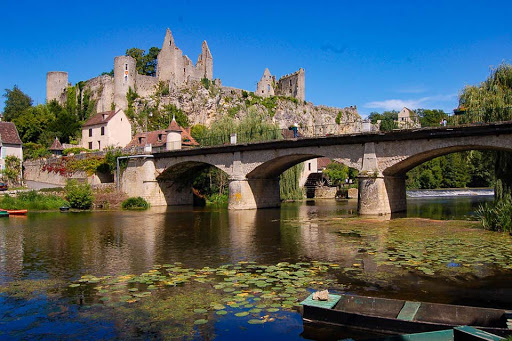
(10, 143)
(408, 119)
(158, 138)
(105, 129)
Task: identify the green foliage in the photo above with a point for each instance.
(289, 183)
(388, 120)
(212, 184)
(337, 173)
(32, 201)
(217, 200)
(131, 96)
(71, 100)
(431, 118)
(79, 195)
(33, 150)
(12, 171)
(245, 94)
(34, 121)
(89, 165)
(111, 73)
(110, 161)
(206, 83)
(489, 102)
(180, 116)
(16, 102)
(253, 127)
(198, 131)
(135, 203)
(145, 63)
(233, 111)
(162, 89)
(496, 216)
(338, 117)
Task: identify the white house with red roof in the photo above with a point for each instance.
(106, 129)
(10, 142)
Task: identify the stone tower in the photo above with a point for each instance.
(293, 85)
(124, 78)
(56, 86)
(266, 84)
(205, 62)
(177, 69)
(173, 141)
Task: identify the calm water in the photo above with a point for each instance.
(367, 257)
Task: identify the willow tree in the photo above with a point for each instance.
(491, 101)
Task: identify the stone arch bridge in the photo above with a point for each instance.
(253, 169)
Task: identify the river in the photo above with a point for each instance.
(206, 273)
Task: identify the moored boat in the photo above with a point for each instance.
(15, 212)
(4, 214)
(64, 208)
(392, 316)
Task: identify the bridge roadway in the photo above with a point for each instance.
(382, 160)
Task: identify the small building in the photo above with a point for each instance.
(56, 147)
(10, 143)
(408, 119)
(106, 129)
(158, 138)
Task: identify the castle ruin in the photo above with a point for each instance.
(174, 69)
(291, 85)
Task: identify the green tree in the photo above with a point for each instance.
(337, 173)
(145, 63)
(388, 119)
(16, 102)
(431, 117)
(33, 122)
(489, 102)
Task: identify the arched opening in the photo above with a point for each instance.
(201, 182)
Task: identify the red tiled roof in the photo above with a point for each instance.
(9, 133)
(174, 126)
(100, 118)
(139, 140)
(56, 145)
(323, 162)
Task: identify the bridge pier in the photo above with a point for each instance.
(381, 195)
(246, 194)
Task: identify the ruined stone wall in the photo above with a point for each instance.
(145, 85)
(265, 86)
(101, 89)
(56, 86)
(293, 85)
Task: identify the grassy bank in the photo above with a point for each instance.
(32, 201)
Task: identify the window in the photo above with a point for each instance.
(290, 82)
(126, 78)
(268, 87)
(90, 132)
(99, 144)
(126, 67)
(159, 137)
(90, 145)
(140, 140)
(102, 130)
(309, 166)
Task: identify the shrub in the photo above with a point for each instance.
(33, 150)
(135, 203)
(74, 150)
(79, 195)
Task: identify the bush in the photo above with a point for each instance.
(135, 203)
(74, 150)
(79, 195)
(33, 150)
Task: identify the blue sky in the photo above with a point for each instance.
(378, 55)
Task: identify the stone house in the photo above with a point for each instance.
(106, 129)
(10, 143)
(408, 119)
(158, 138)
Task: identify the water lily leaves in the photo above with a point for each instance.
(200, 311)
(273, 310)
(221, 312)
(74, 285)
(218, 306)
(242, 314)
(255, 321)
(200, 321)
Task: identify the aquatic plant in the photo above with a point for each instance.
(79, 195)
(496, 216)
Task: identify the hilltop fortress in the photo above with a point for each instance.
(174, 69)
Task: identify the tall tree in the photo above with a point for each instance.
(489, 102)
(145, 63)
(16, 102)
(431, 118)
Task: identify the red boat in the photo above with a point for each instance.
(16, 212)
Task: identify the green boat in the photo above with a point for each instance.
(4, 214)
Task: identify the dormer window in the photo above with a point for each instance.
(159, 137)
(140, 140)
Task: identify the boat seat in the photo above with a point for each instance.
(508, 319)
(408, 311)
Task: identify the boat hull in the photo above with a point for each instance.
(367, 313)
